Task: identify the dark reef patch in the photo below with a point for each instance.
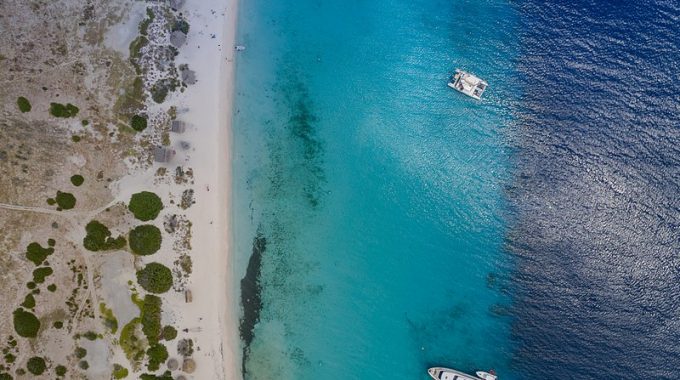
(251, 299)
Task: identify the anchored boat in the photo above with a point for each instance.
(441, 373)
(468, 84)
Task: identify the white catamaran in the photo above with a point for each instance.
(468, 84)
(441, 373)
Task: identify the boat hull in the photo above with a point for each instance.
(441, 373)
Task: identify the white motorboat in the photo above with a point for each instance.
(468, 84)
(441, 373)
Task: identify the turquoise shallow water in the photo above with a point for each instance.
(378, 190)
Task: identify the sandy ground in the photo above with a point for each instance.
(38, 155)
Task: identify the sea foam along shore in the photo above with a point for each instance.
(210, 52)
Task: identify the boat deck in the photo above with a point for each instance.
(468, 84)
(439, 373)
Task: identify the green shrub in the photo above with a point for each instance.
(58, 324)
(80, 352)
(31, 285)
(181, 25)
(37, 254)
(155, 278)
(39, 274)
(148, 376)
(26, 324)
(84, 122)
(24, 104)
(136, 47)
(60, 110)
(119, 372)
(6, 376)
(83, 364)
(51, 201)
(60, 370)
(10, 358)
(52, 288)
(65, 201)
(99, 238)
(90, 335)
(138, 123)
(77, 180)
(159, 91)
(131, 344)
(75, 138)
(144, 25)
(158, 354)
(145, 205)
(110, 320)
(169, 333)
(36, 365)
(51, 242)
(29, 301)
(145, 240)
(151, 318)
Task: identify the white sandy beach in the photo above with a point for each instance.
(210, 52)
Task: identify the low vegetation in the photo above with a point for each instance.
(151, 318)
(132, 345)
(136, 47)
(26, 324)
(36, 365)
(77, 180)
(119, 372)
(138, 123)
(65, 201)
(144, 25)
(40, 274)
(99, 238)
(181, 25)
(157, 354)
(148, 376)
(110, 320)
(169, 333)
(29, 301)
(61, 110)
(60, 370)
(37, 254)
(24, 104)
(159, 91)
(80, 352)
(145, 205)
(145, 239)
(155, 278)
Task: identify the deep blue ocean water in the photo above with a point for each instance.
(406, 225)
(596, 191)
